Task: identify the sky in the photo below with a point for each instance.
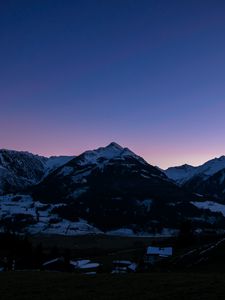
(147, 74)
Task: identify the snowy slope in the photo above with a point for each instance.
(72, 179)
(84, 165)
(112, 151)
(211, 167)
(19, 169)
(32, 217)
(23, 215)
(213, 186)
(182, 174)
(212, 206)
(54, 162)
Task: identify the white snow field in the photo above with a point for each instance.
(44, 220)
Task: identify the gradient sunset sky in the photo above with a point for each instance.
(147, 74)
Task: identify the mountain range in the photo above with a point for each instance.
(207, 179)
(107, 190)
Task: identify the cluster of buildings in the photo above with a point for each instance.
(89, 267)
(86, 266)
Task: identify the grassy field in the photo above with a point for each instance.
(101, 241)
(63, 286)
(100, 248)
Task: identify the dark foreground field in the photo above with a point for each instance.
(45, 286)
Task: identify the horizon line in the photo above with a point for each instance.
(74, 155)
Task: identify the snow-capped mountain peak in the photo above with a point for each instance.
(115, 146)
(111, 151)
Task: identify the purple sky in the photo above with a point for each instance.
(149, 75)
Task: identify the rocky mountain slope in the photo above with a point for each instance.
(184, 173)
(213, 186)
(18, 169)
(207, 179)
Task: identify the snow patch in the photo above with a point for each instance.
(212, 206)
(46, 222)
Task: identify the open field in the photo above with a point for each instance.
(64, 286)
(101, 248)
(101, 241)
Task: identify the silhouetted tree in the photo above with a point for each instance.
(38, 256)
(54, 253)
(186, 234)
(67, 258)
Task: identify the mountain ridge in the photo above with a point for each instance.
(112, 186)
(109, 188)
(20, 169)
(208, 168)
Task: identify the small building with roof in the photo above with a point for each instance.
(154, 254)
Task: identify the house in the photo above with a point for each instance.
(58, 264)
(85, 266)
(154, 254)
(123, 267)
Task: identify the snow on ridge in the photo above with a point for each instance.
(211, 167)
(31, 164)
(25, 169)
(182, 174)
(17, 152)
(127, 152)
(112, 151)
(108, 152)
(211, 205)
(54, 162)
